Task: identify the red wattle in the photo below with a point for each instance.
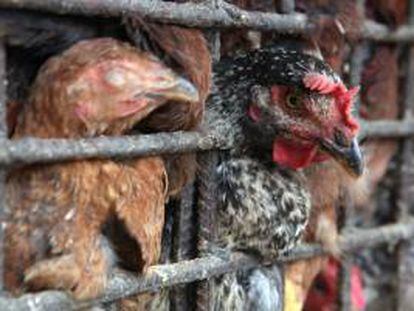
(357, 289)
(293, 155)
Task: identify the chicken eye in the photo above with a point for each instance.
(293, 101)
(340, 139)
(115, 78)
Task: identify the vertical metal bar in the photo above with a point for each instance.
(356, 67)
(214, 36)
(344, 280)
(287, 6)
(3, 135)
(185, 246)
(3, 96)
(206, 207)
(206, 189)
(405, 253)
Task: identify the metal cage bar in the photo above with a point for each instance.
(206, 210)
(3, 134)
(37, 150)
(405, 253)
(207, 191)
(203, 14)
(185, 245)
(123, 284)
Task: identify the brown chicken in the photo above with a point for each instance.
(379, 98)
(337, 21)
(390, 12)
(186, 51)
(57, 213)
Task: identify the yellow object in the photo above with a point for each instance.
(292, 299)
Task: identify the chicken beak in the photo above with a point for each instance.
(179, 90)
(349, 157)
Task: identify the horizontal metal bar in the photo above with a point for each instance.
(190, 14)
(387, 128)
(377, 32)
(36, 150)
(202, 15)
(26, 28)
(124, 284)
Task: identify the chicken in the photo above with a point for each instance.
(323, 295)
(32, 37)
(298, 116)
(337, 22)
(327, 182)
(379, 98)
(390, 12)
(54, 236)
(185, 50)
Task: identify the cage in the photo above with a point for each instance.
(216, 16)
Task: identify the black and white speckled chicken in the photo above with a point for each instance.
(282, 111)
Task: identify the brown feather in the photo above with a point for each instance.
(54, 225)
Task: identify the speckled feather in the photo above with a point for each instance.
(280, 203)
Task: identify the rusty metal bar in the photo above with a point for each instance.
(189, 14)
(3, 134)
(27, 28)
(344, 280)
(207, 191)
(377, 32)
(206, 208)
(405, 195)
(387, 128)
(31, 150)
(124, 284)
(36, 150)
(184, 246)
(186, 243)
(201, 15)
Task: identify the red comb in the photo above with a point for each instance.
(324, 85)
